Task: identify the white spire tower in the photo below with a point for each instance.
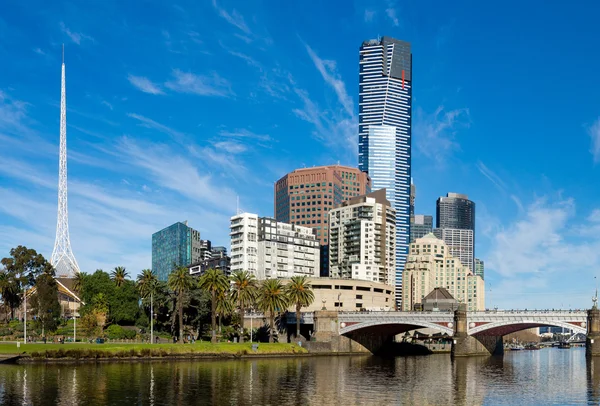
(63, 259)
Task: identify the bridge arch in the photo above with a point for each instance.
(504, 327)
(400, 326)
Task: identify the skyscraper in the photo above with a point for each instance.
(479, 268)
(174, 246)
(455, 211)
(384, 125)
(420, 226)
(456, 226)
(62, 259)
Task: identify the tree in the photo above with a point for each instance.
(213, 281)
(45, 302)
(147, 283)
(123, 302)
(180, 282)
(119, 276)
(299, 293)
(243, 294)
(22, 268)
(224, 305)
(78, 281)
(272, 299)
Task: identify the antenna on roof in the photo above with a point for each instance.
(237, 204)
(63, 54)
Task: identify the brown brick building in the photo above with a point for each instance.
(305, 196)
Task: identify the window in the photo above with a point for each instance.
(359, 296)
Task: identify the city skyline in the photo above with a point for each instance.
(162, 126)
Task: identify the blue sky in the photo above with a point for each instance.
(176, 109)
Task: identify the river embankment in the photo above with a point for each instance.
(81, 352)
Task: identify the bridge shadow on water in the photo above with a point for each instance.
(403, 349)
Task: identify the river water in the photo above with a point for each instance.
(548, 376)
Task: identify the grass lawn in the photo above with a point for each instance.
(108, 350)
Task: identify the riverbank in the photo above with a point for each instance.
(34, 352)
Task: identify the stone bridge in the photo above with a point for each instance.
(473, 333)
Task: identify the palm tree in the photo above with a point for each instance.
(224, 305)
(299, 293)
(78, 281)
(119, 275)
(213, 281)
(147, 284)
(180, 282)
(272, 299)
(243, 294)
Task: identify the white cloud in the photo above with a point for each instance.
(594, 133)
(213, 85)
(491, 176)
(435, 133)
(107, 104)
(39, 51)
(144, 84)
(369, 14)
(390, 12)
(149, 123)
(539, 243)
(244, 133)
(75, 37)
(230, 146)
(332, 78)
(234, 18)
(172, 171)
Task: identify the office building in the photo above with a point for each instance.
(413, 197)
(479, 268)
(384, 125)
(175, 246)
(304, 196)
(455, 224)
(420, 226)
(455, 210)
(430, 265)
(460, 243)
(272, 249)
(363, 239)
(213, 258)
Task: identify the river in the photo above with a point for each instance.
(547, 376)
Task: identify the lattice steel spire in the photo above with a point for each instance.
(63, 259)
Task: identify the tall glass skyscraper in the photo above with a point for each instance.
(174, 246)
(384, 126)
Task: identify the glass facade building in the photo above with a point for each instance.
(455, 224)
(420, 226)
(385, 123)
(479, 267)
(174, 246)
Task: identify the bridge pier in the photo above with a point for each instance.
(464, 345)
(592, 341)
(327, 338)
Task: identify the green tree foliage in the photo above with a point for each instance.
(119, 276)
(272, 299)
(116, 332)
(224, 305)
(147, 283)
(180, 282)
(122, 301)
(20, 270)
(45, 303)
(244, 293)
(300, 294)
(213, 281)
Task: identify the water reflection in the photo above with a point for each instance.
(548, 376)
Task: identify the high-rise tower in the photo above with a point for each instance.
(62, 259)
(384, 126)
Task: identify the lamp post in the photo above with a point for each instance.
(151, 320)
(25, 316)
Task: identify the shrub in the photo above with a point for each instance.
(115, 332)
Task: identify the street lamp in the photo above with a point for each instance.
(151, 320)
(25, 316)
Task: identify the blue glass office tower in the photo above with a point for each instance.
(384, 126)
(174, 246)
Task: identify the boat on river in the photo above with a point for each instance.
(516, 347)
(564, 345)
